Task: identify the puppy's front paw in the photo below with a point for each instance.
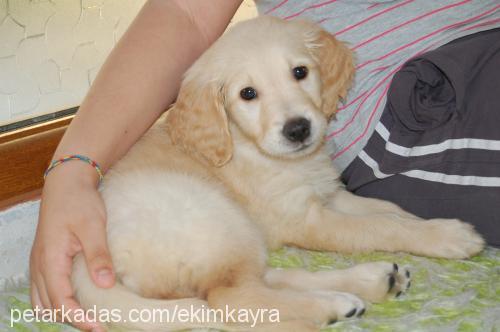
(378, 281)
(448, 238)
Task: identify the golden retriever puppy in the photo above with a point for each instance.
(238, 166)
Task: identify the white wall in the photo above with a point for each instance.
(50, 51)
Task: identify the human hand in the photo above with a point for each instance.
(72, 219)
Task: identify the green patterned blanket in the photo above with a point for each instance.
(446, 295)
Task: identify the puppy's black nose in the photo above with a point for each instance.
(297, 129)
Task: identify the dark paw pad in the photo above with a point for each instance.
(392, 281)
(351, 313)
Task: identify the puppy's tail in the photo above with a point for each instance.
(123, 308)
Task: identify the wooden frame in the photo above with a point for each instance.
(26, 148)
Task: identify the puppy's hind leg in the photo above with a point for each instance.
(374, 282)
(284, 307)
(127, 308)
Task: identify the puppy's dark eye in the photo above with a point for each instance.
(300, 72)
(248, 93)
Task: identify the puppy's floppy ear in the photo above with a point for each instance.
(336, 65)
(198, 123)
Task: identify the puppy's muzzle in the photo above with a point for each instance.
(297, 130)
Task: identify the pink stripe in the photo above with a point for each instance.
(373, 6)
(409, 22)
(276, 7)
(427, 36)
(483, 24)
(373, 16)
(379, 69)
(310, 7)
(352, 102)
(341, 152)
(323, 19)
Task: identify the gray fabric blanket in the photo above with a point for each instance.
(436, 149)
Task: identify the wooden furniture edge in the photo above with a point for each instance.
(24, 155)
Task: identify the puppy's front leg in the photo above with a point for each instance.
(347, 202)
(332, 230)
(374, 281)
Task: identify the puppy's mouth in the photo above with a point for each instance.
(302, 147)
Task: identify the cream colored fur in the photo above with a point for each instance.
(196, 203)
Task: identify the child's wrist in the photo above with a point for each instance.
(76, 172)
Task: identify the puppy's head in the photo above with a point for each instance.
(278, 82)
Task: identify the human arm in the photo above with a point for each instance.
(135, 85)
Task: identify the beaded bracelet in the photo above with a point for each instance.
(74, 157)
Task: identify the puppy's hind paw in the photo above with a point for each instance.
(399, 281)
(379, 281)
(342, 306)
